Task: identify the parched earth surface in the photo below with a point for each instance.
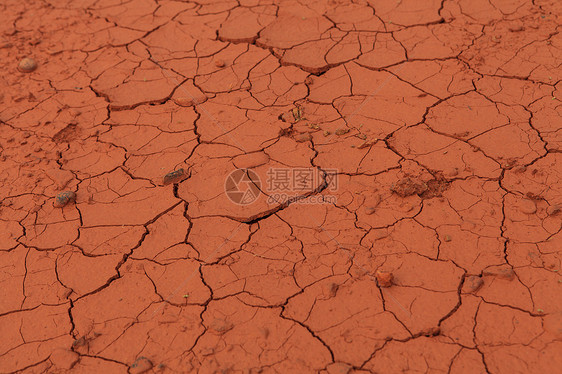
(437, 251)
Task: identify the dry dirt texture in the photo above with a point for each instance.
(441, 252)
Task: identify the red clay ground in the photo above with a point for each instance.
(443, 119)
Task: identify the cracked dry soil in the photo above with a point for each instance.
(441, 252)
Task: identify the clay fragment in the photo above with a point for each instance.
(64, 198)
(532, 195)
(366, 144)
(187, 101)
(67, 134)
(301, 138)
(369, 210)
(80, 342)
(472, 283)
(331, 290)
(502, 272)
(554, 210)
(80, 345)
(338, 368)
(384, 278)
(342, 131)
(221, 326)
(285, 132)
(220, 63)
(357, 271)
(141, 365)
(74, 112)
(424, 189)
(183, 101)
(174, 177)
(64, 358)
(199, 99)
(432, 331)
(451, 173)
(27, 65)
(408, 187)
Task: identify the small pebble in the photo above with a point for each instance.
(141, 365)
(369, 210)
(453, 172)
(517, 29)
(448, 238)
(220, 63)
(27, 65)
(174, 177)
(384, 278)
(342, 131)
(64, 198)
